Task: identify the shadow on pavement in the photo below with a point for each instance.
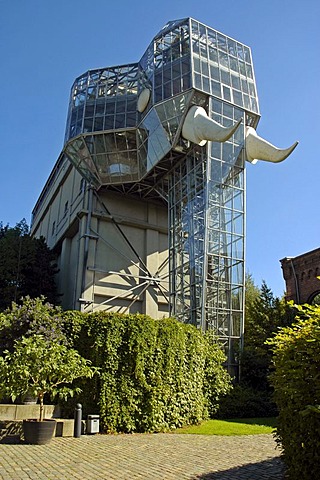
(272, 469)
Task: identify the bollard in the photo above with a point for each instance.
(77, 421)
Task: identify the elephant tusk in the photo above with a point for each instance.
(199, 128)
(143, 100)
(259, 149)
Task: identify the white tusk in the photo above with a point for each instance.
(259, 149)
(199, 128)
(143, 100)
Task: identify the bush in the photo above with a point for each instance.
(37, 367)
(246, 402)
(155, 375)
(33, 317)
(296, 381)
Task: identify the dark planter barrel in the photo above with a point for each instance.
(39, 433)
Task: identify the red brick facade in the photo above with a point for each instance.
(300, 274)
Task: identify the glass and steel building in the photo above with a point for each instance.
(172, 129)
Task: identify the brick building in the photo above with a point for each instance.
(300, 274)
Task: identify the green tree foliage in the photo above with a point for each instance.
(264, 315)
(155, 374)
(27, 266)
(37, 367)
(252, 294)
(31, 317)
(296, 380)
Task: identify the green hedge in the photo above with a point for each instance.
(296, 381)
(155, 375)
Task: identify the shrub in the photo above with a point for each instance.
(246, 402)
(217, 383)
(155, 375)
(38, 368)
(33, 317)
(296, 381)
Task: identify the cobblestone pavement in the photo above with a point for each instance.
(144, 456)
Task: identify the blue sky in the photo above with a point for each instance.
(45, 45)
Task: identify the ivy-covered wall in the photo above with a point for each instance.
(155, 375)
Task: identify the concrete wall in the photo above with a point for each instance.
(112, 249)
(22, 412)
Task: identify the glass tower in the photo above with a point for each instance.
(125, 133)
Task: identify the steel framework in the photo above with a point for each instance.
(167, 128)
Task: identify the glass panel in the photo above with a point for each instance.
(206, 84)
(235, 81)
(222, 42)
(226, 93)
(215, 88)
(196, 64)
(197, 81)
(237, 97)
(234, 65)
(246, 101)
(249, 71)
(225, 77)
(232, 47)
(212, 37)
(205, 68)
(157, 141)
(224, 59)
(213, 54)
(98, 124)
(242, 68)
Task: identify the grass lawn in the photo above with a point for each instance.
(234, 426)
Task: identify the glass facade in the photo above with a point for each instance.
(222, 67)
(207, 243)
(167, 61)
(112, 141)
(104, 99)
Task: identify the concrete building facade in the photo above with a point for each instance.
(109, 250)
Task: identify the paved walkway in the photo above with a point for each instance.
(144, 456)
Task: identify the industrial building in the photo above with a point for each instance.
(145, 206)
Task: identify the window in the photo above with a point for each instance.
(66, 207)
(82, 185)
(316, 299)
(226, 93)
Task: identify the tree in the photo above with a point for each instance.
(252, 293)
(33, 316)
(37, 367)
(265, 314)
(27, 266)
